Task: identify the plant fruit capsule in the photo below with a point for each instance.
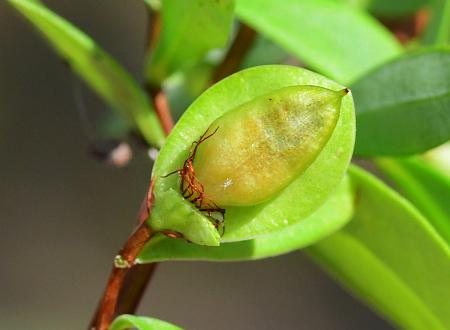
(263, 145)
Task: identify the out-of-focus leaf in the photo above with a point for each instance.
(101, 72)
(264, 52)
(331, 216)
(439, 158)
(189, 29)
(403, 107)
(438, 27)
(298, 200)
(336, 40)
(425, 187)
(153, 4)
(184, 87)
(388, 8)
(390, 256)
(141, 323)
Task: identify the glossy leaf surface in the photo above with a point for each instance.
(298, 200)
(189, 29)
(425, 187)
(390, 255)
(403, 107)
(126, 321)
(331, 216)
(101, 72)
(332, 38)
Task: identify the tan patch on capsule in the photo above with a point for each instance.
(261, 146)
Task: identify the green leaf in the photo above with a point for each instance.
(388, 8)
(338, 41)
(141, 323)
(298, 200)
(403, 107)
(438, 27)
(101, 72)
(390, 256)
(264, 51)
(189, 30)
(425, 187)
(331, 216)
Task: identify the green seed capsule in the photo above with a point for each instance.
(261, 146)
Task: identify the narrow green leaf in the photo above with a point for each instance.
(388, 8)
(403, 107)
(331, 216)
(101, 72)
(425, 187)
(189, 30)
(336, 40)
(141, 323)
(438, 27)
(390, 256)
(300, 198)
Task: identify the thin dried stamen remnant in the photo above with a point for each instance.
(192, 189)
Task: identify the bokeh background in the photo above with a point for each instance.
(63, 214)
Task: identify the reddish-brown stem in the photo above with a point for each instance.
(241, 44)
(163, 112)
(409, 27)
(127, 280)
(123, 263)
(134, 287)
(154, 28)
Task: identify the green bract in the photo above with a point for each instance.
(293, 203)
(331, 216)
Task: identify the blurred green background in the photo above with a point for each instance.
(63, 215)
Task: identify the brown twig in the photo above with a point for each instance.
(162, 108)
(134, 287)
(123, 263)
(127, 281)
(407, 28)
(241, 44)
(154, 29)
